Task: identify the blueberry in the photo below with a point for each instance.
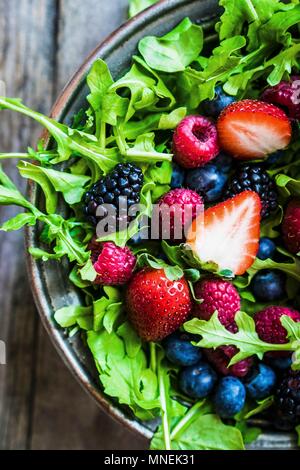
(281, 363)
(209, 181)
(180, 351)
(221, 100)
(230, 397)
(197, 381)
(261, 382)
(223, 162)
(266, 248)
(268, 285)
(178, 176)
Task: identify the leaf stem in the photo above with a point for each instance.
(252, 10)
(103, 135)
(187, 419)
(153, 357)
(164, 411)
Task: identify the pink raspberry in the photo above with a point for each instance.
(219, 295)
(285, 95)
(180, 203)
(221, 357)
(291, 226)
(195, 142)
(114, 265)
(269, 327)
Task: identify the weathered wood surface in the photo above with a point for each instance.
(42, 42)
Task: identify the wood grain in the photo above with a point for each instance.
(42, 42)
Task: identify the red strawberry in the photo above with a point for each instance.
(175, 208)
(228, 233)
(114, 265)
(157, 306)
(195, 142)
(220, 295)
(285, 95)
(251, 129)
(269, 327)
(291, 226)
(221, 357)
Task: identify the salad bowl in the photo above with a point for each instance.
(51, 288)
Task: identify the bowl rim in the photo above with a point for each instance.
(59, 109)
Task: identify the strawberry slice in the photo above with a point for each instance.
(251, 129)
(228, 233)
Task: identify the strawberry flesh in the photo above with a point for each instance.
(228, 233)
(251, 129)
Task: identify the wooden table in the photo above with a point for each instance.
(42, 43)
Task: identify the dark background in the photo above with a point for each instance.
(42, 43)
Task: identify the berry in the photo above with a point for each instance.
(251, 129)
(269, 327)
(261, 382)
(267, 248)
(285, 95)
(195, 142)
(224, 162)
(157, 306)
(114, 265)
(228, 234)
(125, 181)
(178, 175)
(291, 226)
(175, 209)
(287, 402)
(281, 363)
(197, 381)
(268, 285)
(255, 178)
(219, 295)
(230, 397)
(215, 106)
(180, 351)
(209, 181)
(221, 357)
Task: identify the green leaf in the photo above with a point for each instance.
(107, 309)
(131, 339)
(214, 334)
(174, 273)
(297, 429)
(136, 6)
(88, 272)
(75, 314)
(18, 222)
(174, 51)
(261, 405)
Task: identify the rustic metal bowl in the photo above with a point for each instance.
(49, 281)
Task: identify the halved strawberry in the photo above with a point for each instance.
(251, 129)
(228, 233)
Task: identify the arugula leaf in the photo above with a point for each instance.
(107, 309)
(75, 314)
(174, 273)
(136, 6)
(174, 51)
(260, 406)
(17, 222)
(214, 334)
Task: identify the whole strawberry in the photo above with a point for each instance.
(195, 142)
(220, 295)
(114, 265)
(157, 306)
(177, 209)
(291, 226)
(269, 327)
(221, 357)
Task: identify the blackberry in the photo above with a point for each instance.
(287, 402)
(255, 178)
(125, 180)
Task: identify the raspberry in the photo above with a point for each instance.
(285, 95)
(269, 327)
(195, 142)
(114, 265)
(221, 357)
(125, 181)
(219, 295)
(179, 202)
(287, 402)
(255, 178)
(291, 226)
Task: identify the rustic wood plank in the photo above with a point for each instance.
(64, 416)
(26, 57)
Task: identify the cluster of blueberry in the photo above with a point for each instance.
(198, 379)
